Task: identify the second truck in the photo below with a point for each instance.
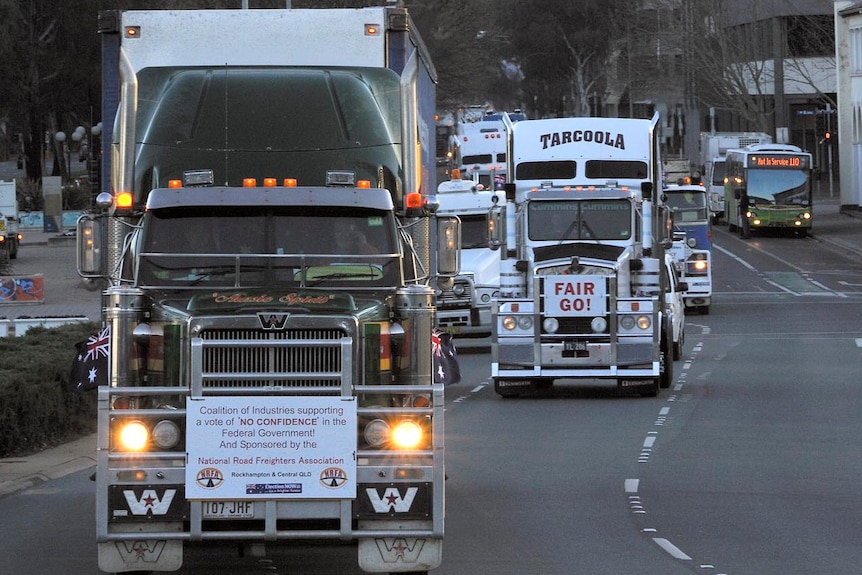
(584, 272)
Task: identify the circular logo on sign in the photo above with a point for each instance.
(209, 478)
(333, 477)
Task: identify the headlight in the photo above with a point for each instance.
(166, 434)
(699, 265)
(376, 432)
(509, 322)
(627, 322)
(407, 435)
(692, 242)
(644, 321)
(550, 325)
(134, 436)
(459, 289)
(525, 322)
(806, 216)
(599, 325)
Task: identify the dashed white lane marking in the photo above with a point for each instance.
(632, 485)
(671, 549)
(477, 388)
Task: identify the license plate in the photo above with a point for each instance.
(575, 346)
(228, 509)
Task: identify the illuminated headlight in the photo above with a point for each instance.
(407, 435)
(692, 242)
(699, 265)
(644, 322)
(134, 436)
(509, 322)
(376, 433)
(756, 221)
(797, 223)
(459, 289)
(599, 325)
(166, 434)
(525, 322)
(550, 325)
(806, 216)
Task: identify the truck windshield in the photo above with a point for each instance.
(249, 247)
(267, 122)
(687, 206)
(580, 220)
(474, 231)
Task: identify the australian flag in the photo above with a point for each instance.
(90, 366)
(445, 358)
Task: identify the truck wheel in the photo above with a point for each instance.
(666, 374)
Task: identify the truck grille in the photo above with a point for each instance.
(302, 360)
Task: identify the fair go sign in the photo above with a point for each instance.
(575, 295)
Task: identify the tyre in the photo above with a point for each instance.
(665, 377)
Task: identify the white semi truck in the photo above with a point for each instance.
(465, 308)
(269, 251)
(583, 284)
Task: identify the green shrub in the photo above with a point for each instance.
(37, 408)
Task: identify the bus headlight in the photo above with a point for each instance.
(133, 436)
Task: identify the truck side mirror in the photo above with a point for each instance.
(496, 227)
(448, 246)
(89, 246)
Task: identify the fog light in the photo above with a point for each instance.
(599, 325)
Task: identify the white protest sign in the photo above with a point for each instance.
(271, 447)
(575, 295)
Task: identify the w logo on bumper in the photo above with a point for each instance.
(391, 500)
(273, 321)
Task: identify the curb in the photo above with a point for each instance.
(55, 472)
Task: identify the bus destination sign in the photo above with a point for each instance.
(780, 161)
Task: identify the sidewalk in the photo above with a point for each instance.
(20, 473)
(840, 229)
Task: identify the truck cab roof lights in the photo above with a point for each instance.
(289, 182)
(364, 184)
(249, 182)
(175, 183)
(270, 182)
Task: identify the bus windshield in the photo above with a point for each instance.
(784, 187)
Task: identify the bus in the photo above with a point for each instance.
(768, 186)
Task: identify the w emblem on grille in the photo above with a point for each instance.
(272, 321)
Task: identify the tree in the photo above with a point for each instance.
(562, 48)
